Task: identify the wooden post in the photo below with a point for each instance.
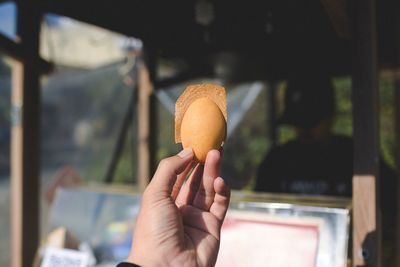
(25, 142)
(366, 219)
(153, 117)
(397, 130)
(397, 143)
(144, 150)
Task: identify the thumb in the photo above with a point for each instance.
(168, 169)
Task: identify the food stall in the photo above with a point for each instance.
(275, 38)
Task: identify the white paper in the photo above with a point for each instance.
(55, 257)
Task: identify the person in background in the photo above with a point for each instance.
(317, 161)
(179, 224)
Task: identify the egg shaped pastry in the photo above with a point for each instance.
(200, 119)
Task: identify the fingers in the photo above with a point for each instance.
(180, 180)
(199, 189)
(168, 169)
(206, 192)
(221, 199)
(200, 220)
(189, 190)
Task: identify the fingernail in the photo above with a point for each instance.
(185, 153)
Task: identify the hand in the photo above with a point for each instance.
(179, 224)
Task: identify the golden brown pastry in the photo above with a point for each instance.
(200, 119)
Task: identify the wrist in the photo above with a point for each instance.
(158, 260)
(144, 261)
(134, 260)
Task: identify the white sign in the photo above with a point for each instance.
(56, 257)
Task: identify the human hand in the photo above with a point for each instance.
(179, 223)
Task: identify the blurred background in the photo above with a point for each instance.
(89, 122)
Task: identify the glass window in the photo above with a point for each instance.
(86, 99)
(88, 109)
(86, 103)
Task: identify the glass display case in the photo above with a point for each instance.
(259, 230)
(285, 231)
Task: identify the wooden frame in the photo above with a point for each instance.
(25, 180)
(25, 131)
(145, 90)
(397, 138)
(366, 220)
(396, 103)
(17, 51)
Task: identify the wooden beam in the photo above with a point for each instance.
(25, 143)
(153, 109)
(20, 53)
(397, 128)
(366, 219)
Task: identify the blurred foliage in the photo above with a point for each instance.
(387, 122)
(285, 133)
(344, 118)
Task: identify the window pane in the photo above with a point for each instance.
(86, 98)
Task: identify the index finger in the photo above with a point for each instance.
(168, 169)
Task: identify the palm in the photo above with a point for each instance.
(199, 239)
(182, 223)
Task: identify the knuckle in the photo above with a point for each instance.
(163, 164)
